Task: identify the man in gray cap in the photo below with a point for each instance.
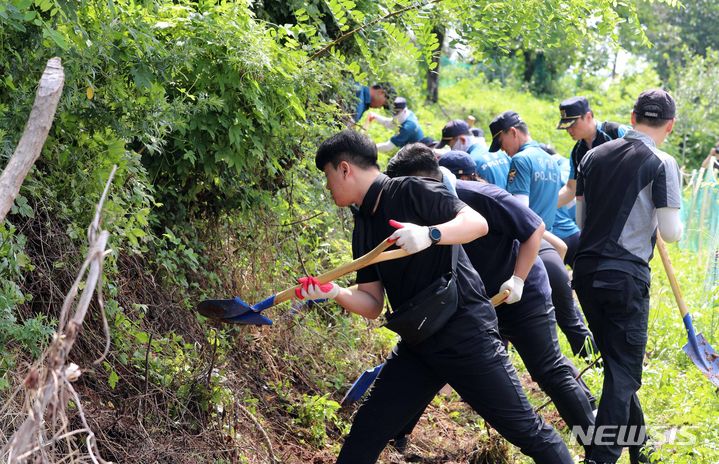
(627, 189)
(577, 118)
(409, 129)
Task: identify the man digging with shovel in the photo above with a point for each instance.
(448, 326)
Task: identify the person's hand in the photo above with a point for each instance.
(410, 237)
(311, 289)
(371, 116)
(515, 285)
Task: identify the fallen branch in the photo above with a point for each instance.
(34, 136)
(48, 384)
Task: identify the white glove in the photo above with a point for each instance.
(410, 237)
(515, 285)
(386, 122)
(310, 289)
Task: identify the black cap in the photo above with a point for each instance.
(572, 109)
(389, 92)
(477, 132)
(453, 129)
(400, 103)
(656, 104)
(458, 162)
(499, 124)
(429, 141)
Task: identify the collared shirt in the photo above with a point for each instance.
(565, 222)
(492, 167)
(510, 223)
(363, 101)
(424, 202)
(623, 182)
(606, 131)
(534, 173)
(409, 131)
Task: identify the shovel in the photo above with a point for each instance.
(236, 311)
(367, 378)
(697, 348)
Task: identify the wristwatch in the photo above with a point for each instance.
(435, 235)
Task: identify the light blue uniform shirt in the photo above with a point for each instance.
(534, 173)
(492, 167)
(564, 224)
(409, 131)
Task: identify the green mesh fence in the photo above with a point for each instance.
(700, 213)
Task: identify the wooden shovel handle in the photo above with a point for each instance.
(499, 298)
(671, 276)
(374, 256)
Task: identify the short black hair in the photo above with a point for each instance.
(651, 122)
(521, 126)
(415, 159)
(350, 146)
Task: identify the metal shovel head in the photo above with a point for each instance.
(361, 385)
(223, 309)
(705, 357)
(249, 318)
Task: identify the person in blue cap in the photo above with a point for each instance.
(506, 260)
(627, 190)
(534, 178)
(409, 129)
(377, 96)
(492, 167)
(577, 118)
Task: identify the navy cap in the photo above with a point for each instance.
(499, 124)
(400, 103)
(429, 141)
(656, 104)
(458, 162)
(572, 109)
(453, 129)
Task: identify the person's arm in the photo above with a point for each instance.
(567, 193)
(556, 242)
(528, 253)
(385, 121)
(386, 146)
(669, 224)
(366, 299)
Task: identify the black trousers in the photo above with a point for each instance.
(569, 316)
(617, 307)
(531, 327)
(472, 359)
(572, 244)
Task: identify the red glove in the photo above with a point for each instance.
(311, 289)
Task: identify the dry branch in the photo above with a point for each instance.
(48, 384)
(34, 136)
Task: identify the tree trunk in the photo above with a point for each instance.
(433, 74)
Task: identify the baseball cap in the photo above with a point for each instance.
(400, 103)
(656, 104)
(453, 129)
(499, 124)
(458, 162)
(429, 141)
(572, 109)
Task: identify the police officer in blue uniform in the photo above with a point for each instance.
(377, 96)
(534, 178)
(492, 165)
(627, 189)
(577, 118)
(409, 129)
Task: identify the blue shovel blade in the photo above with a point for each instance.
(223, 309)
(705, 358)
(249, 318)
(361, 385)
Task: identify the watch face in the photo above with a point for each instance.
(435, 234)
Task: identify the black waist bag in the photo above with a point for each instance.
(429, 310)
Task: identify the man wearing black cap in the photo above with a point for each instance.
(492, 167)
(409, 128)
(578, 120)
(534, 178)
(377, 96)
(627, 189)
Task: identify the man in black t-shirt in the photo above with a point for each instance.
(467, 351)
(626, 190)
(506, 259)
